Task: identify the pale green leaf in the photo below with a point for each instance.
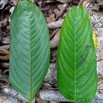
(29, 49)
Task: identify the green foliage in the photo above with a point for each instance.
(76, 61)
(29, 49)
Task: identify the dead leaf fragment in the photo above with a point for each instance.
(5, 65)
(4, 57)
(46, 86)
(39, 100)
(54, 42)
(4, 47)
(56, 24)
(3, 3)
(14, 1)
(50, 1)
(53, 33)
(4, 52)
(64, 1)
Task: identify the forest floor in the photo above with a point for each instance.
(54, 12)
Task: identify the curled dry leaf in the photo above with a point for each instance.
(46, 86)
(8, 99)
(54, 42)
(6, 57)
(39, 100)
(100, 77)
(3, 22)
(11, 10)
(50, 1)
(56, 24)
(100, 89)
(14, 1)
(6, 40)
(53, 33)
(4, 47)
(52, 95)
(1, 36)
(11, 92)
(5, 65)
(4, 52)
(51, 18)
(64, 1)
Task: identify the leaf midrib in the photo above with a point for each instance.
(30, 57)
(75, 54)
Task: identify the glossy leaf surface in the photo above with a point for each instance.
(29, 49)
(76, 71)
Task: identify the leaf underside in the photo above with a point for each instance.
(29, 49)
(76, 71)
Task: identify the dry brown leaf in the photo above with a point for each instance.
(100, 89)
(5, 65)
(6, 40)
(53, 33)
(4, 52)
(50, 1)
(1, 36)
(56, 24)
(51, 18)
(4, 47)
(46, 86)
(54, 42)
(14, 1)
(100, 77)
(3, 3)
(3, 22)
(4, 57)
(11, 92)
(64, 1)
(39, 100)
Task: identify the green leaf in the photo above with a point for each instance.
(76, 72)
(29, 49)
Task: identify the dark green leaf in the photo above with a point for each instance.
(29, 49)
(76, 75)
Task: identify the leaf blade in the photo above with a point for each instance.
(29, 49)
(75, 50)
